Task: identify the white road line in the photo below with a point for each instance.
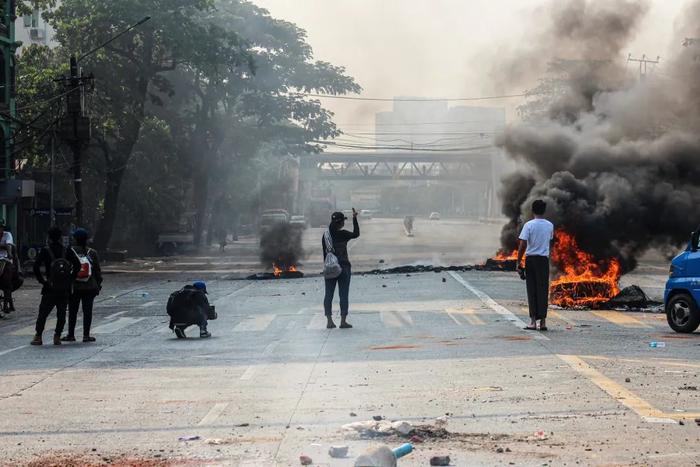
(454, 318)
(491, 303)
(270, 348)
(213, 414)
(396, 319)
(222, 300)
(30, 330)
(116, 325)
(114, 315)
(255, 323)
(248, 373)
(5, 352)
(148, 304)
(318, 321)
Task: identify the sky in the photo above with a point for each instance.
(436, 48)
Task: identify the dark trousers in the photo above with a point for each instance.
(87, 299)
(343, 281)
(48, 302)
(537, 282)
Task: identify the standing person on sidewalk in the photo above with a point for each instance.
(86, 287)
(61, 265)
(535, 240)
(339, 241)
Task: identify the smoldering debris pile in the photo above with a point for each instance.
(280, 251)
(411, 269)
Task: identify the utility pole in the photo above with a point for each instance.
(643, 62)
(75, 128)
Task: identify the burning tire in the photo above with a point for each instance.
(683, 314)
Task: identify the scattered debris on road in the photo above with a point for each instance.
(189, 438)
(305, 460)
(688, 388)
(440, 460)
(338, 452)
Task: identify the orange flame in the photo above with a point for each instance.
(278, 271)
(505, 256)
(583, 280)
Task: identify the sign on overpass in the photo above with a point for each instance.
(401, 165)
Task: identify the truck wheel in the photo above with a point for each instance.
(168, 249)
(683, 314)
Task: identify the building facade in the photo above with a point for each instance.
(8, 48)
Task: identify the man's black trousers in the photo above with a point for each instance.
(537, 281)
(88, 300)
(48, 302)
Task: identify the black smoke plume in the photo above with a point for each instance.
(616, 156)
(281, 245)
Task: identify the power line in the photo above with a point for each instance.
(401, 148)
(411, 99)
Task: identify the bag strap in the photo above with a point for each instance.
(328, 239)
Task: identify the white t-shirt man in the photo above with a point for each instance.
(538, 233)
(6, 239)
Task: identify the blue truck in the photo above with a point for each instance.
(682, 294)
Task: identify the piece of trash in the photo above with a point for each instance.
(627, 380)
(215, 441)
(338, 452)
(444, 280)
(189, 438)
(697, 421)
(241, 425)
(403, 450)
(381, 261)
(500, 450)
(441, 422)
(145, 295)
(377, 418)
(353, 414)
(384, 285)
(375, 428)
(541, 435)
(379, 457)
(403, 428)
(688, 388)
(681, 422)
(569, 328)
(305, 460)
(657, 345)
(440, 460)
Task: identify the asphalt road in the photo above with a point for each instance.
(273, 383)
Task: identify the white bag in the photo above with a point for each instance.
(331, 266)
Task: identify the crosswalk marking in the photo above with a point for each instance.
(467, 313)
(115, 325)
(213, 414)
(318, 321)
(255, 323)
(248, 373)
(30, 330)
(621, 319)
(396, 319)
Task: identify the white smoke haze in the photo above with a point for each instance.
(615, 156)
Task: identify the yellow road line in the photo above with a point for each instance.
(621, 319)
(632, 360)
(625, 397)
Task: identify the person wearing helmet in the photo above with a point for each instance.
(189, 306)
(86, 287)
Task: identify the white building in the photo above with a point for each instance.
(33, 29)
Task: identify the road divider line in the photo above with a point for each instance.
(213, 414)
(115, 315)
(148, 304)
(633, 360)
(115, 326)
(318, 321)
(5, 352)
(621, 319)
(453, 318)
(495, 306)
(469, 314)
(625, 397)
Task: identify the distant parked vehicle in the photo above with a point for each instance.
(268, 219)
(299, 221)
(434, 216)
(171, 243)
(366, 214)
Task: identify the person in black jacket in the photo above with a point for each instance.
(86, 287)
(340, 240)
(54, 257)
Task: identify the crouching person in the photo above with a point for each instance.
(190, 306)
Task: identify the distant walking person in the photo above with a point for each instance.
(61, 265)
(86, 287)
(535, 240)
(339, 242)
